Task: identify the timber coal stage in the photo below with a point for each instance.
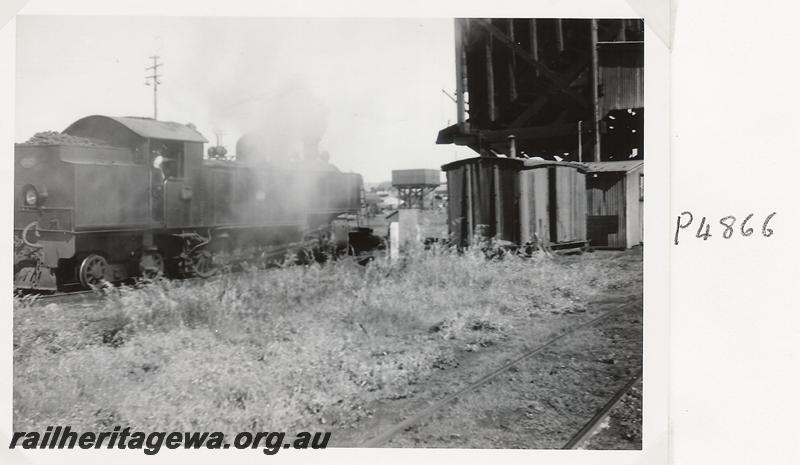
(571, 88)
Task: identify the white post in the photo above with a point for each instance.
(394, 240)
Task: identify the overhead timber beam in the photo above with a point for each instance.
(573, 74)
(521, 134)
(560, 82)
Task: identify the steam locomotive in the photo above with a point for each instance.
(142, 200)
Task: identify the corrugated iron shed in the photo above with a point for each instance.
(147, 128)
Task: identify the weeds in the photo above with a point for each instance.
(282, 349)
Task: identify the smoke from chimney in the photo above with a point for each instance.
(286, 127)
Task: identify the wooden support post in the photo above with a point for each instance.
(490, 79)
(470, 216)
(460, 74)
(499, 214)
(526, 235)
(595, 90)
(513, 39)
(560, 35)
(512, 84)
(512, 65)
(534, 44)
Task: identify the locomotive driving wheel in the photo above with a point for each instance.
(92, 270)
(202, 264)
(151, 265)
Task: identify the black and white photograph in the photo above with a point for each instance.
(280, 233)
(374, 232)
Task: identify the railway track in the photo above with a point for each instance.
(577, 439)
(90, 294)
(61, 297)
(93, 294)
(594, 423)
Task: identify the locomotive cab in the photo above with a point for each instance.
(171, 153)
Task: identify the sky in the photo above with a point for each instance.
(370, 88)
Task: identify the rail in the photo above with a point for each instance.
(591, 426)
(386, 436)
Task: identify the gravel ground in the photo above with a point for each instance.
(540, 402)
(623, 428)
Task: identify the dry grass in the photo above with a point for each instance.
(284, 349)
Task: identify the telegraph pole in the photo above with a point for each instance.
(154, 78)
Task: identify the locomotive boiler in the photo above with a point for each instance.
(141, 200)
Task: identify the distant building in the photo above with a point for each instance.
(390, 202)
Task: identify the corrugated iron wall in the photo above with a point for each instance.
(634, 210)
(570, 204)
(455, 203)
(500, 198)
(621, 77)
(482, 195)
(534, 201)
(552, 204)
